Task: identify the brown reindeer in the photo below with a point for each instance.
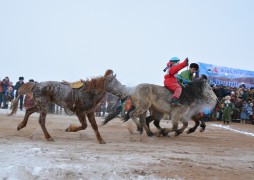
(81, 101)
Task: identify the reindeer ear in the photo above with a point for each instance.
(114, 76)
(108, 72)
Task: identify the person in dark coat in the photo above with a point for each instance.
(5, 85)
(16, 87)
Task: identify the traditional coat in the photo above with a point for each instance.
(227, 111)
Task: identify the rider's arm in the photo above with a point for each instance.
(175, 69)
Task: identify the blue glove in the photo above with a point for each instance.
(185, 82)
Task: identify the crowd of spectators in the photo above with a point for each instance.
(8, 91)
(239, 100)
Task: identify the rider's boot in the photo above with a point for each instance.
(175, 101)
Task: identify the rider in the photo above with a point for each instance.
(170, 81)
(185, 77)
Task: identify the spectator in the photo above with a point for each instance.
(237, 108)
(251, 94)
(243, 115)
(240, 92)
(250, 113)
(227, 110)
(242, 85)
(5, 85)
(220, 92)
(245, 94)
(9, 95)
(16, 87)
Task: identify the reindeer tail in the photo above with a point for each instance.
(24, 89)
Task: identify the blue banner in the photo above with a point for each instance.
(227, 76)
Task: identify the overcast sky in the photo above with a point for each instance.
(68, 40)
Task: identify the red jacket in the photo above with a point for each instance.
(170, 76)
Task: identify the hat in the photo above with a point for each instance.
(194, 65)
(228, 97)
(31, 80)
(174, 59)
(21, 78)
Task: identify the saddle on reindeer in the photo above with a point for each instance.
(194, 97)
(81, 100)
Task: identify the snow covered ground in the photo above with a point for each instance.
(221, 152)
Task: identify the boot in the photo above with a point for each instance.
(175, 101)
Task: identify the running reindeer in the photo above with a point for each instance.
(81, 101)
